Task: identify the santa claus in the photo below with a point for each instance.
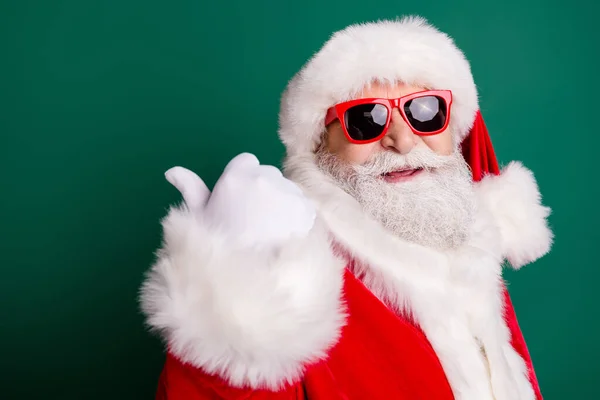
(372, 267)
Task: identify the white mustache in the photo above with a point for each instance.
(420, 157)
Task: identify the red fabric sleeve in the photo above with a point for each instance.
(179, 381)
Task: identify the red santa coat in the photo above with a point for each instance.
(378, 352)
(380, 356)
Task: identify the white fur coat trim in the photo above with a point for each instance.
(254, 319)
(456, 297)
(515, 201)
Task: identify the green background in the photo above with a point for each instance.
(99, 97)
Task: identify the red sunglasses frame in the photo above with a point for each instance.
(339, 111)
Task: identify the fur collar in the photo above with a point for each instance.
(454, 296)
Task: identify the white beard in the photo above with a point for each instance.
(434, 209)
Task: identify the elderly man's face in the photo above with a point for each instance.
(417, 187)
(399, 137)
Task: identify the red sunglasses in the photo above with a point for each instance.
(367, 120)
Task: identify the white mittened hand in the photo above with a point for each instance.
(244, 287)
(252, 204)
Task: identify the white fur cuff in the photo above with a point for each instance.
(515, 201)
(254, 319)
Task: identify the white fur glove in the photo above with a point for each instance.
(253, 205)
(245, 285)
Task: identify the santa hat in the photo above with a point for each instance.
(409, 50)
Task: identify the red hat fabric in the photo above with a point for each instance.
(478, 151)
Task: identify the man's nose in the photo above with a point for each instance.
(399, 137)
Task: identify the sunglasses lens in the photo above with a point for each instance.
(427, 113)
(365, 121)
